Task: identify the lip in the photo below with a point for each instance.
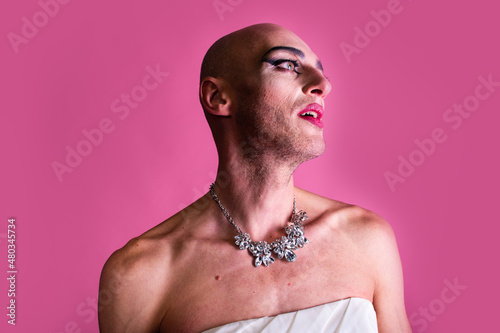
(316, 108)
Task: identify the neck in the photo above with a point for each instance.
(258, 196)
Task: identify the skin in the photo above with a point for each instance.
(186, 275)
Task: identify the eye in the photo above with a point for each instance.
(286, 64)
(290, 65)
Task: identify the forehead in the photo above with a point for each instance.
(258, 42)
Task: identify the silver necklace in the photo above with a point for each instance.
(262, 250)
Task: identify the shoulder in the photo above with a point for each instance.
(137, 281)
(379, 247)
(370, 233)
(376, 241)
(360, 230)
(130, 262)
(361, 222)
(139, 258)
(373, 240)
(133, 282)
(375, 232)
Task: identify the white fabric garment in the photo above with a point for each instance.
(352, 315)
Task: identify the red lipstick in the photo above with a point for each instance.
(313, 114)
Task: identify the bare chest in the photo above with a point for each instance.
(225, 287)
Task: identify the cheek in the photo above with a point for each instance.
(278, 93)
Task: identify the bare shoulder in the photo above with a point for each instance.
(133, 282)
(139, 286)
(358, 221)
(372, 229)
(370, 233)
(371, 238)
(375, 239)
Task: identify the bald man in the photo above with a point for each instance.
(256, 253)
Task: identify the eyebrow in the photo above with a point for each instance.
(293, 50)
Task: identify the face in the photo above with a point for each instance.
(279, 97)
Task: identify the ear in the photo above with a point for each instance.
(214, 97)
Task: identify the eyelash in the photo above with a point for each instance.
(278, 62)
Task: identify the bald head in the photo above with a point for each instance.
(226, 56)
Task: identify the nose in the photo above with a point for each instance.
(317, 84)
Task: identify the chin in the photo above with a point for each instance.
(320, 149)
(313, 149)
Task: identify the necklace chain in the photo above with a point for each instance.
(261, 250)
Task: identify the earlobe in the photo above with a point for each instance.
(213, 97)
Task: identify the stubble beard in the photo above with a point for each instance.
(268, 135)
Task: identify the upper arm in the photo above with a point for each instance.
(129, 298)
(388, 298)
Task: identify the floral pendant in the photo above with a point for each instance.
(283, 247)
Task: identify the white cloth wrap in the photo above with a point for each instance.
(353, 315)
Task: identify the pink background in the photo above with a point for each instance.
(160, 157)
